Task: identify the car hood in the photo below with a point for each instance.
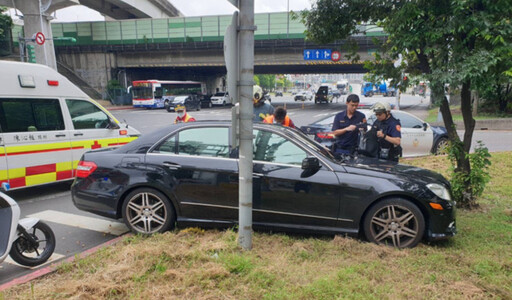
(369, 167)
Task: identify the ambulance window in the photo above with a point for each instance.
(86, 115)
(21, 115)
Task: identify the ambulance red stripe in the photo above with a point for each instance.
(36, 170)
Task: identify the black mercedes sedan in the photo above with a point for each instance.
(187, 174)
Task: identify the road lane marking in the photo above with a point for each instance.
(95, 224)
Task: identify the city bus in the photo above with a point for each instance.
(158, 93)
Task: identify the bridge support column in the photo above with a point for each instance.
(35, 22)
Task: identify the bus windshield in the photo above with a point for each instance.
(142, 92)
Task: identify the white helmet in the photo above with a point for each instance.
(257, 93)
(381, 107)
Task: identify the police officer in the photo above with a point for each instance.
(345, 126)
(261, 109)
(388, 133)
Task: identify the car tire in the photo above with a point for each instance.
(198, 107)
(210, 104)
(224, 103)
(148, 211)
(396, 222)
(168, 109)
(440, 147)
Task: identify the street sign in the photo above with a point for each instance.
(40, 38)
(335, 56)
(317, 54)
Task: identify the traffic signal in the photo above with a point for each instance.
(31, 54)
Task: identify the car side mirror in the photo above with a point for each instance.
(113, 125)
(425, 126)
(310, 165)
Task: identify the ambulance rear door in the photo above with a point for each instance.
(36, 143)
(93, 128)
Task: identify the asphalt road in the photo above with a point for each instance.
(77, 231)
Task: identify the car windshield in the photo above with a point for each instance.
(219, 94)
(180, 98)
(312, 145)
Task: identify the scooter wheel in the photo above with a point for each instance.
(33, 254)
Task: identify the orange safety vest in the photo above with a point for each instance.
(270, 120)
(187, 118)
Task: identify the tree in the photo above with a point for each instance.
(456, 42)
(5, 32)
(266, 81)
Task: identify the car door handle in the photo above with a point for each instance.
(60, 135)
(172, 166)
(78, 134)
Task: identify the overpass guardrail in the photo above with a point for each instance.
(176, 29)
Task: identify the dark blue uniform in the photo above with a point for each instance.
(347, 142)
(391, 127)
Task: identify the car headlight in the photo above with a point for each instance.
(440, 191)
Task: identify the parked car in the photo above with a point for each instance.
(187, 174)
(303, 96)
(418, 137)
(279, 94)
(324, 94)
(191, 102)
(206, 101)
(336, 93)
(221, 98)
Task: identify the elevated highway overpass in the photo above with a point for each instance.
(192, 48)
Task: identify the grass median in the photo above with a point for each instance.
(198, 264)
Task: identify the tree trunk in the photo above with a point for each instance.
(463, 164)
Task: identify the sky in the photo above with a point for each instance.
(188, 8)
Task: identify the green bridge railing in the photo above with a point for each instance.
(176, 29)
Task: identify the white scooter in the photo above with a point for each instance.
(29, 241)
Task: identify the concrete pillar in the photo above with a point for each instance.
(35, 22)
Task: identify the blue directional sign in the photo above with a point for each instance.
(317, 54)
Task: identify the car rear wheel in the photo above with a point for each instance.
(395, 222)
(441, 146)
(148, 211)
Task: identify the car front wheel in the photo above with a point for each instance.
(148, 211)
(395, 222)
(441, 146)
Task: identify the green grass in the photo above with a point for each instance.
(207, 264)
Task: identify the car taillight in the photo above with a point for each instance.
(325, 135)
(85, 168)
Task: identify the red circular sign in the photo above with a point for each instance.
(40, 39)
(336, 56)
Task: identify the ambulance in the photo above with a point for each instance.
(47, 123)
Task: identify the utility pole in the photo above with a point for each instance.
(245, 84)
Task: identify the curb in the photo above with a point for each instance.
(488, 124)
(54, 266)
(109, 108)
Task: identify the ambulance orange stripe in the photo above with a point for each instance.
(50, 168)
(45, 150)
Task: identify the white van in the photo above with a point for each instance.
(47, 123)
(221, 98)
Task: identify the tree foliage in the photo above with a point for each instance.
(5, 32)
(457, 42)
(266, 81)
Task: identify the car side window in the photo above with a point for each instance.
(22, 115)
(272, 147)
(210, 142)
(407, 121)
(86, 115)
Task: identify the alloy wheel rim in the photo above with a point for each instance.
(441, 147)
(394, 224)
(146, 213)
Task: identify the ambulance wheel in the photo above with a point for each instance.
(147, 211)
(33, 254)
(395, 222)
